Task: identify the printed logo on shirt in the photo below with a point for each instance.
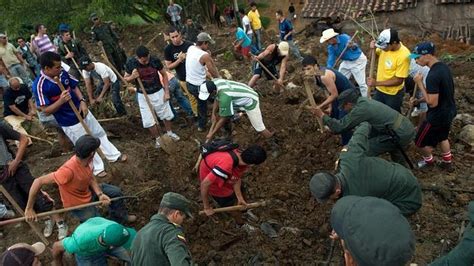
(388, 63)
(20, 99)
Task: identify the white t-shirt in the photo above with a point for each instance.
(246, 23)
(103, 70)
(195, 71)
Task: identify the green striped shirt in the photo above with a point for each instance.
(233, 96)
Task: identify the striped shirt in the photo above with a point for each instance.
(43, 44)
(233, 95)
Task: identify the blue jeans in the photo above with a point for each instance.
(177, 93)
(17, 70)
(393, 101)
(257, 41)
(294, 50)
(116, 99)
(202, 105)
(101, 258)
(117, 209)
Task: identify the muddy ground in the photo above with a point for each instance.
(302, 223)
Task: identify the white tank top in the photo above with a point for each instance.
(195, 71)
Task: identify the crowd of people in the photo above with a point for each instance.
(41, 81)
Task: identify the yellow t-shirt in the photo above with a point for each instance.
(254, 18)
(393, 64)
(8, 55)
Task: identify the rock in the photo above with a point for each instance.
(226, 74)
(268, 230)
(467, 135)
(291, 86)
(307, 242)
(466, 119)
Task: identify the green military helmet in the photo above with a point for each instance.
(177, 202)
(374, 231)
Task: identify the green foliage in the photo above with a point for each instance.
(265, 22)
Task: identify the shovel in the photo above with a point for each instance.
(165, 141)
(413, 96)
(371, 71)
(239, 207)
(74, 61)
(308, 82)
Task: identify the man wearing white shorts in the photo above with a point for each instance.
(146, 68)
(233, 96)
(51, 100)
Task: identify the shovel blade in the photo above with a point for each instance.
(167, 144)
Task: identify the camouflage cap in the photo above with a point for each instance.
(348, 96)
(177, 202)
(374, 231)
(93, 16)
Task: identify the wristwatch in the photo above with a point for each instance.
(83, 100)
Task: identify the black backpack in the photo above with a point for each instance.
(219, 145)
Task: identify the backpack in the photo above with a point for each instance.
(221, 145)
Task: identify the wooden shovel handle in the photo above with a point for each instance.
(345, 48)
(238, 207)
(74, 61)
(308, 82)
(150, 106)
(371, 71)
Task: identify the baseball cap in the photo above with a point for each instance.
(206, 89)
(3, 35)
(374, 230)
(205, 37)
(63, 27)
(283, 48)
(422, 49)
(84, 62)
(348, 96)
(387, 37)
(322, 186)
(22, 254)
(116, 235)
(85, 145)
(177, 202)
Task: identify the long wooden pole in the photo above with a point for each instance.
(345, 48)
(17, 207)
(49, 213)
(75, 63)
(308, 81)
(238, 207)
(371, 71)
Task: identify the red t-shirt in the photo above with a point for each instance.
(221, 172)
(74, 180)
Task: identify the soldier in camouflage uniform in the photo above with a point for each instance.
(76, 52)
(162, 241)
(110, 40)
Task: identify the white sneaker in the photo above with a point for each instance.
(173, 136)
(9, 215)
(415, 112)
(62, 231)
(157, 143)
(48, 228)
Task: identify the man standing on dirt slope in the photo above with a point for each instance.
(16, 178)
(439, 95)
(162, 241)
(174, 11)
(392, 69)
(335, 83)
(51, 100)
(242, 43)
(106, 79)
(110, 40)
(175, 58)
(286, 34)
(76, 52)
(273, 55)
(256, 25)
(391, 131)
(93, 241)
(372, 232)
(362, 175)
(13, 60)
(463, 253)
(232, 96)
(220, 173)
(198, 63)
(147, 67)
(77, 185)
(353, 60)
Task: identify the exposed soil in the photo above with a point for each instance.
(304, 229)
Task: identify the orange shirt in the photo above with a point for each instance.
(74, 180)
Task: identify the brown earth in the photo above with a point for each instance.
(303, 223)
